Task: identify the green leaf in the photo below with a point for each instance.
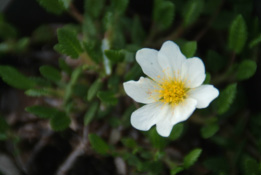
(15, 79)
(207, 79)
(107, 97)
(176, 131)
(43, 34)
(252, 167)
(64, 66)
(176, 170)
(255, 41)
(237, 34)
(68, 43)
(246, 69)
(137, 31)
(89, 29)
(120, 6)
(41, 82)
(94, 88)
(129, 143)
(74, 77)
(7, 30)
(134, 73)
(42, 111)
(93, 49)
(115, 55)
(50, 73)
(66, 3)
(156, 140)
(40, 92)
(192, 11)
(226, 98)
(60, 121)
(94, 7)
(189, 48)
(217, 165)
(209, 130)
(89, 115)
(163, 13)
(53, 6)
(215, 62)
(192, 157)
(3, 125)
(98, 144)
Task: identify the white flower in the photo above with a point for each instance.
(173, 90)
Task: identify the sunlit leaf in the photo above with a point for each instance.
(68, 43)
(15, 79)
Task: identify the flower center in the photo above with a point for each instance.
(172, 92)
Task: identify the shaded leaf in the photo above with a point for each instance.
(189, 48)
(255, 41)
(176, 170)
(137, 31)
(53, 6)
(42, 111)
(192, 11)
(74, 77)
(98, 144)
(192, 157)
(94, 7)
(226, 98)
(129, 143)
(94, 88)
(90, 114)
(120, 5)
(64, 66)
(50, 73)
(252, 167)
(107, 97)
(207, 79)
(3, 125)
(60, 121)
(209, 130)
(115, 55)
(163, 13)
(176, 131)
(246, 69)
(237, 34)
(156, 140)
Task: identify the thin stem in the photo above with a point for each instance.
(78, 151)
(205, 29)
(75, 13)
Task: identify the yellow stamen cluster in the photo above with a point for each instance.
(172, 91)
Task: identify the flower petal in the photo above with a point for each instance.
(183, 111)
(145, 117)
(170, 57)
(204, 95)
(148, 60)
(142, 91)
(193, 72)
(164, 126)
